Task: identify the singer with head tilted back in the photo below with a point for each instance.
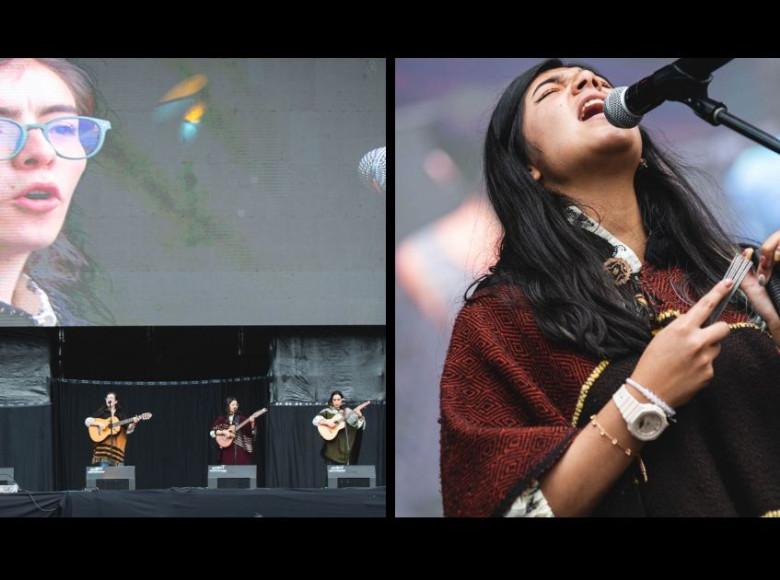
(622, 356)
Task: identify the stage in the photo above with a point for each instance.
(44, 440)
(184, 502)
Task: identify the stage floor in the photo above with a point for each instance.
(183, 502)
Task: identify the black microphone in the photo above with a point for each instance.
(625, 106)
(773, 289)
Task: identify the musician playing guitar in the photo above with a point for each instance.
(110, 450)
(236, 442)
(340, 427)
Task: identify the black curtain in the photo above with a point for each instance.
(26, 445)
(138, 353)
(173, 449)
(294, 445)
(25, 406)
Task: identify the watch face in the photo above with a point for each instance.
(649, 424)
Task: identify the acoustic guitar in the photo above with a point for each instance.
(100, 429)
(228, 435)
(329, 433)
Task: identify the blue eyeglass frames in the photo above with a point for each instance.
(71, 137)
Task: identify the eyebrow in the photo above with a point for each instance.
(16, 113)
(558, 79)
(552, 79)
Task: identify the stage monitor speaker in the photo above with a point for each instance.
(7, 482)
(351, 476)
(110, 478)
(232, 476)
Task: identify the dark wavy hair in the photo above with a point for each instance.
(229, 400)
(333, 394)
(104, 407)
(64, 270)
(559, 266)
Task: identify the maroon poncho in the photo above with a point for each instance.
(511, 402)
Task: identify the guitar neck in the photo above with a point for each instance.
(131, 419)
(245, 421)
(242, 423)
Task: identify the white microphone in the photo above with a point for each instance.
(372, 169)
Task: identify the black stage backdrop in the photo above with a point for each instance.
(26, 445)
(173, 449)
(293, 447)
(25, 406)
(162, 370)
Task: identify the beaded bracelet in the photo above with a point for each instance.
(614, 442)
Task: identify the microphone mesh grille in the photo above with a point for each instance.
(373, 167)
(617, 113)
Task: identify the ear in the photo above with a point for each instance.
(535, 173)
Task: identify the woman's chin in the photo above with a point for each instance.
(28, 242)
(615, 152)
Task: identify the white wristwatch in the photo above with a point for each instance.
(645, 421)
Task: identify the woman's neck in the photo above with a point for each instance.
(11, 268)
(612, 202)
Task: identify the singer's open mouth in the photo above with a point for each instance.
(591, 108)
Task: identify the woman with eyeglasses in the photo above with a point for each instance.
(46, 137)
(584, 375)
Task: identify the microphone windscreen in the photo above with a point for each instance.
(372, 168)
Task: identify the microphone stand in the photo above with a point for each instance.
(113, 435)
(235, 424)
(346, 434)
(693, 92)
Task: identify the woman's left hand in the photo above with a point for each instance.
(756, 293)
(769, 256)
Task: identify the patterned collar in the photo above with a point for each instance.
(575, 216)
(45, 315)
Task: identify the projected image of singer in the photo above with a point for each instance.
(581, 377)
(46, 137)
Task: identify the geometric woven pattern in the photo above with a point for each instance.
(508, 396)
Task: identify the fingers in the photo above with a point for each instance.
(770, 254)
(715, 333)
(713, 351)
(707, 303)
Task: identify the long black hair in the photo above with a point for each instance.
(559, 266)
(333, 394)
(104, 408)
(229, 400)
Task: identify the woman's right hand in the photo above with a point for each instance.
(677, 363)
